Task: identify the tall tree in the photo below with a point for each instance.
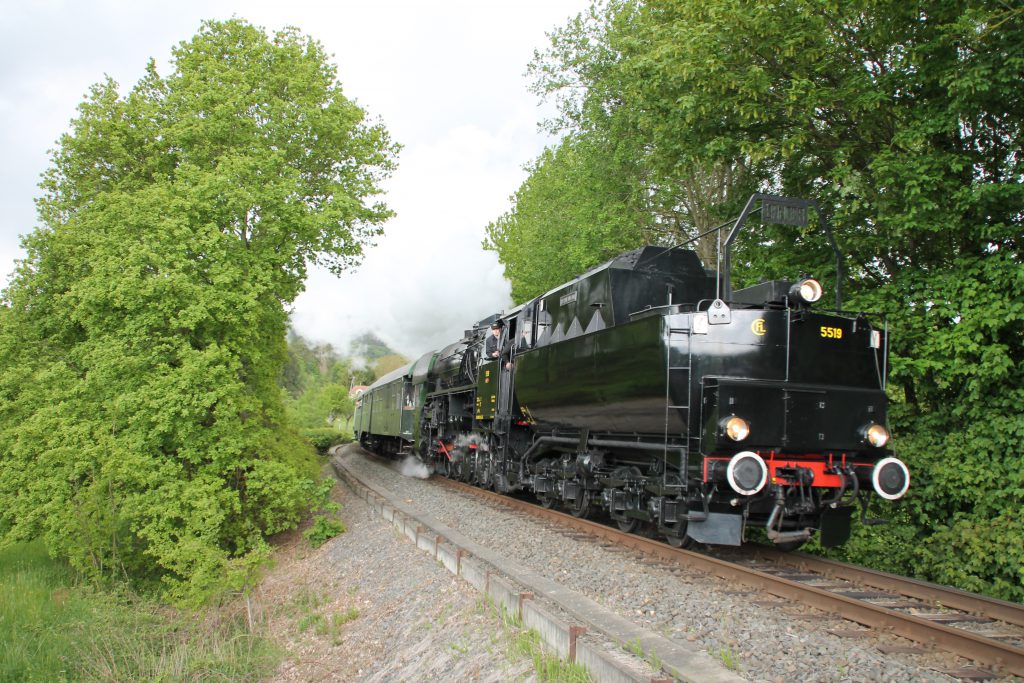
(317, 381)
(574, 204)
(142, 431)
(597, 192)
(369, 347)
(904, 121)
(389, 363)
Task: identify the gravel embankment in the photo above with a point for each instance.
(367, 606)
(765, 643)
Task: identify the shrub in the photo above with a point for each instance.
(324, 529)
(323, 439)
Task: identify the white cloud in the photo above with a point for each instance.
(428, 279)
(446, 79)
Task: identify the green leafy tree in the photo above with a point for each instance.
(300, 366)
(321, 407)
(904, 122)
(572, 205)
(386, 364)
(599, 191)
(142, 430)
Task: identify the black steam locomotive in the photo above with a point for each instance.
(650, 390)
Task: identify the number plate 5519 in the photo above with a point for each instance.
(832, 332)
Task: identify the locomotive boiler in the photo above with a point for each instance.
(650, 391)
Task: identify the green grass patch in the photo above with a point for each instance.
(547, 666)
(728, 658)
(55, 628)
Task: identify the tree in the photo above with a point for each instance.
(388, 363)
(597, 192)
(572, 205)
(142, 430)
(299, 367)
(322, 400)
(905, 123)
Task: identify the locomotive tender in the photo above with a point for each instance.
(649, 389)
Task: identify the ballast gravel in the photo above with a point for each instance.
(368, 606)
(765, 643)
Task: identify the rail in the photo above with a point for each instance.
(1003, 657)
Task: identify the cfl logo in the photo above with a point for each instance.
(757, 327)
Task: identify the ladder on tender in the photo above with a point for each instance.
(506, 388)
(678, 367)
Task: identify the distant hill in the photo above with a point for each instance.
(370, 347)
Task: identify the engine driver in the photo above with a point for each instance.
(492, 349)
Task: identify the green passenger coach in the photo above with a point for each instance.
(387, 410)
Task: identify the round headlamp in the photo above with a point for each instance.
(876, 435)
(736, 428)
(808, 290)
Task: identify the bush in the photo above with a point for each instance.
(323, 439)
(323, 529)
(325, 526)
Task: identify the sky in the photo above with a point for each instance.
(446, 79)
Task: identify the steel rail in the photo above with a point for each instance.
(953, 598)
(1003, 657)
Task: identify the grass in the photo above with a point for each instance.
(635, 648)
(55, 628)
(442, 618)
(728, 657)
(655, 661)
(304, 601)
(304, 608)
(548, 667)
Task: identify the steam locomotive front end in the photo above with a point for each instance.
(793, 418)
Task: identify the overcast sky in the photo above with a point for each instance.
(446, 78)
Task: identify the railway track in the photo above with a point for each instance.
(916, 610)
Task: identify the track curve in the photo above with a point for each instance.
(1002, 657)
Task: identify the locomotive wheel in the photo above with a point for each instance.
(464, 465)
(460, 469)
(628, 525)
(482, 472)
(581, 506)
(679, 541)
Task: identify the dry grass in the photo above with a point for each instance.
(55, 628)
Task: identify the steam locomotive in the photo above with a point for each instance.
(650, 391)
